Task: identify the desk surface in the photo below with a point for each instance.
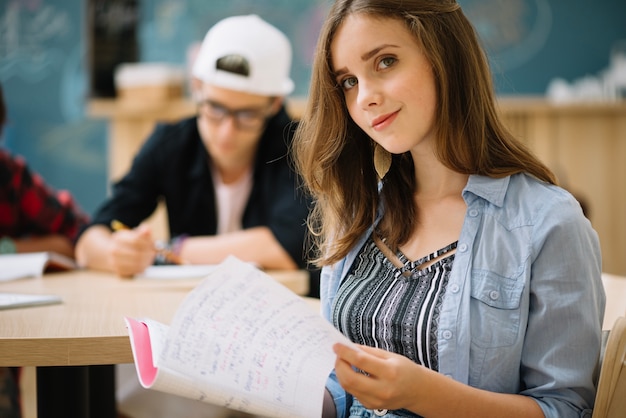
(88, 327)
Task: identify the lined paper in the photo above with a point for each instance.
(244, 341)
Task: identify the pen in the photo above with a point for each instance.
(167, 254)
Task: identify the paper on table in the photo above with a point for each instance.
(242, 340)
(10, 300)
(18, 266)
(183, 271)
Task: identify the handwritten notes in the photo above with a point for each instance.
(244, 341)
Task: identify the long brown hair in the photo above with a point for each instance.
(332, 152)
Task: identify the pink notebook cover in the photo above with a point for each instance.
(142, 351)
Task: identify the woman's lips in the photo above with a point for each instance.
(384, 121)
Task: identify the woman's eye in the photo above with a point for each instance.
(348, 83)
(387, 62)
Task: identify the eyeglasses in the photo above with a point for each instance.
(247, 119)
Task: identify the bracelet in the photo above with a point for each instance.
(161, 247)
(165, 249)
(176, 244)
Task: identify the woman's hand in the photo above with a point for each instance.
(387, 381)
(391, 381)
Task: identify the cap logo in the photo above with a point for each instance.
(233, 63)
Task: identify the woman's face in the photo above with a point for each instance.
(387, 82)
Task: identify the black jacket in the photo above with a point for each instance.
(173, 165)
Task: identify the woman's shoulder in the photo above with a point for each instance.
(529, 186)
(501, 190)
(537, 198)
(524, 199)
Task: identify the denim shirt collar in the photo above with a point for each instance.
(491, 189)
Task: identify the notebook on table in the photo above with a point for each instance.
(19, 266)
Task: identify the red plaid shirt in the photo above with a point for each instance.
(29, 207)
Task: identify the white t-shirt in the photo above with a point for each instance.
(231, 201)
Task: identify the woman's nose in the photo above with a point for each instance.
(369, 94)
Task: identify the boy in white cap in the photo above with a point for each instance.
(224, 175)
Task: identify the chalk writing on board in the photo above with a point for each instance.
(26, 32)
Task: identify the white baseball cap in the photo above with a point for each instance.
(265, 51)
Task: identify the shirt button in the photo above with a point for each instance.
(463, 248)
(454, 288)
(380, 412)
(494, 294)
(473, 213)
(447, 334)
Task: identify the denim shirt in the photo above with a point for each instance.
(524, 304)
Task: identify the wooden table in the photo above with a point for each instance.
(88, 329)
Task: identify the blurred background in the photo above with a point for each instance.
(59, 56)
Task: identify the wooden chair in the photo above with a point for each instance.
(615, 289)
(611, 395)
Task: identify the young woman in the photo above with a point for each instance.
(469, 278)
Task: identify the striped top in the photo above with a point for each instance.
(395, 309)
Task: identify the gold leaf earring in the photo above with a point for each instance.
(382, 161)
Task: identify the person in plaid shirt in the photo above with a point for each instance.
(33, 217)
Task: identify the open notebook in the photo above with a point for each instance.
(19, 266)
(242, 340)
